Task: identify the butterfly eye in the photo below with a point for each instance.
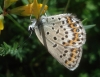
(31, 27)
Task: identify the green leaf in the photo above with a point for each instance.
(14, 50)
(89, 26)
(1, 10)
(84, 20)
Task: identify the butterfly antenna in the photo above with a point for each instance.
(30, 1)
(67, 6)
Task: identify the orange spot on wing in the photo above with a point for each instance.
(71, 24)
(75, 37)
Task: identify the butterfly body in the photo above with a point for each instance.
(63, 35)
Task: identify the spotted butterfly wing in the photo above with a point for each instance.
(63, 35)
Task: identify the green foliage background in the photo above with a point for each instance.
(32, 59)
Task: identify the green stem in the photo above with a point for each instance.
(17, 24)
(67, 6)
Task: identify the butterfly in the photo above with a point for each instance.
(63, 35)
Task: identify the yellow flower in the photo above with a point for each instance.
(7, 3)
(33, 8)
(1, 23)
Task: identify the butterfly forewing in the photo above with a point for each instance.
(63, 35)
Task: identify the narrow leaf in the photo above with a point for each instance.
(89, 26)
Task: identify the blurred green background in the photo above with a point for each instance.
(32, 59)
